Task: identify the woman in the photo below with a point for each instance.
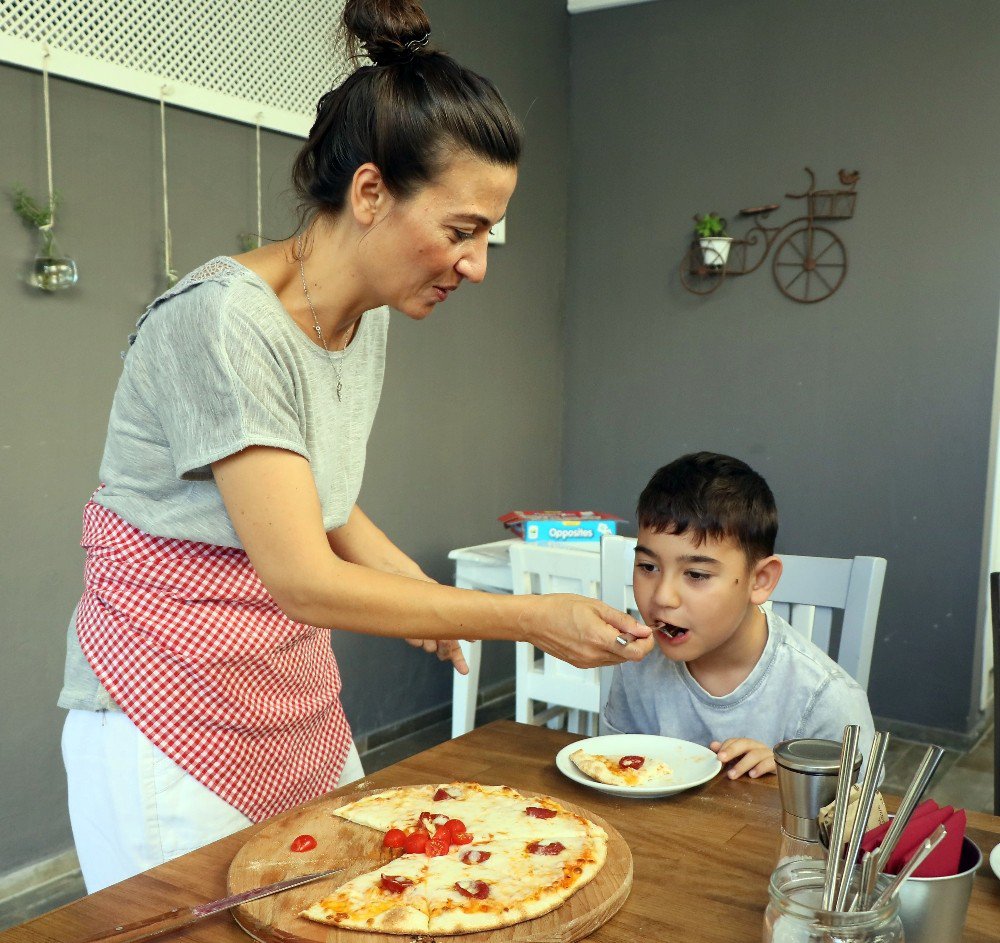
(226, 538)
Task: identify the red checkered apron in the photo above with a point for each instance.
(192, 647)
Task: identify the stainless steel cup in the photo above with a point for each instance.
(808, 771)
(933, 909)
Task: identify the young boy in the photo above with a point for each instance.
(725, 673)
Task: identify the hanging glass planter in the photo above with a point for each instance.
(51, 270)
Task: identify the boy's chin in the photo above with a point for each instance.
(674, 651)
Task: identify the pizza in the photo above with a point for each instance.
(620, 770)
(465, 858)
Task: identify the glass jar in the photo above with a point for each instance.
(795, 915)
(793, 848)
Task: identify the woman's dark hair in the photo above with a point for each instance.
(406, 113)
(713, 496)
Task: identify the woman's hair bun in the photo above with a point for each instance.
(386, 31)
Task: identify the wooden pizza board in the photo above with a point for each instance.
(266, 858)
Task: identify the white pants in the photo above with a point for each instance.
(131, 807)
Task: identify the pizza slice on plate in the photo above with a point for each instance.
(620, 770)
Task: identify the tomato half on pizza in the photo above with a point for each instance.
(620, 770)
(468, 858)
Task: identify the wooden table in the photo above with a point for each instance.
(702, 858)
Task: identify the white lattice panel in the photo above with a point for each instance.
(232, 58)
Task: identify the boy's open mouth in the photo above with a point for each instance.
(673, 631)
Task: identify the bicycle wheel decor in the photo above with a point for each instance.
(809, 261)
(698, 277)
(809, 264)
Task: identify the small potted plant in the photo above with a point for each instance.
(711, 232)
(51, 270)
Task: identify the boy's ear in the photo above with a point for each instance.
(764, 578)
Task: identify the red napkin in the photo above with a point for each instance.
(943, 860)
(873, 837)
(913, 835)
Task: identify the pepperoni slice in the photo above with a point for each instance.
(303, 843)
(394, 885)
(631, 762)
(480, 890)
(475, 856)
(536, 812)
(552, 848)
(442, 794)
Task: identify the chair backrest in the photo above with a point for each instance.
(546, 568)
(811, 590)
(995, 620)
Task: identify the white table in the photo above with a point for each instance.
(485, 567)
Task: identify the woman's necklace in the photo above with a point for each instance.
(338, 369)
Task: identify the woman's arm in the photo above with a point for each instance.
(360, 541)
(271, 499)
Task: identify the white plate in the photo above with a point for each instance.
(692, 764)
(995, 860)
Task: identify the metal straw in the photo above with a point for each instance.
(844, 783)
(926, 769)
(866, 883)
(868, 786)
(929, 844)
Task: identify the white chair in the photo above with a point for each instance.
(808, 593)
(565, 690)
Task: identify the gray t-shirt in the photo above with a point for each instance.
(218, 365)
(795, 690)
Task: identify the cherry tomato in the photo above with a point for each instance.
(436, 847)
(552, 848)
(537, 812)
(415, 843)
(631, 762)
(442, 794)
(394, 838)
(461, 838)
(303, 843)
(480, 890)
(395, 885)
(474, 856)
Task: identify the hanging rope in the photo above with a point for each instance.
(48, 140)
(167, 248)
(260, 212)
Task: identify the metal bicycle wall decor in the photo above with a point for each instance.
(809, 263)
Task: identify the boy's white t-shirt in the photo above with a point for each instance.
(795, 690)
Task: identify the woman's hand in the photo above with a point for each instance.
(583, 632)
(445, 649)
(745, 755)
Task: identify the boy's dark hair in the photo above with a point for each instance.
(714, 496)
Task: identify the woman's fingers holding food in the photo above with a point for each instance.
(585, 632)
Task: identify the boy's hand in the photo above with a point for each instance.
(746, 756)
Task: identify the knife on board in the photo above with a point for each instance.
(182, 916)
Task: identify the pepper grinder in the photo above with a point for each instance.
(808, 771)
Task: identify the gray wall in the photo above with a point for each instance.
(868, 413)
(470, 420)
